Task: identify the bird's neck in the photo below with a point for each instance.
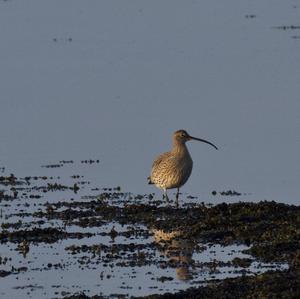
(179, 148)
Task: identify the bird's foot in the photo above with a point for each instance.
(165, 196)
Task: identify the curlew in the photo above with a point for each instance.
(172, 169)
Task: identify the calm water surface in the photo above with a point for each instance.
(112, 80)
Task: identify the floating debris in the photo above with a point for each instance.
(66, 161)
(290, 27)
(227, 193)
(53, 165)
(90, 161)
(66, 39)
(250, 16)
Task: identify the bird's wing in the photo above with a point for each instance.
(159, 159)
(155, 164)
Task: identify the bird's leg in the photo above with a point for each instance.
(165, 196)
(177, 197)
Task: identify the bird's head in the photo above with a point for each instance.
(182, 136)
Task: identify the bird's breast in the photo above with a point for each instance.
(183, 172)
(173, 171)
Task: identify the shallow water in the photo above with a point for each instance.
(100, 256)
(67, 275)
(111, 81)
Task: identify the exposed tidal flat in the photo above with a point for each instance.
(67, 237)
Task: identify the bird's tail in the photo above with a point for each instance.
(149, 180)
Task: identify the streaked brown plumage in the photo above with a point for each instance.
(172, 169)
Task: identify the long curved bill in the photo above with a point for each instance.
(205, 141)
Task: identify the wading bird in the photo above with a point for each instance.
(172, 169)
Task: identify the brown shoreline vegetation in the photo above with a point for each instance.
(272, 230)
(283, 284)
(268, 285)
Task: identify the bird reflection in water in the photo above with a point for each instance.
(177, 250)
(23, 248)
